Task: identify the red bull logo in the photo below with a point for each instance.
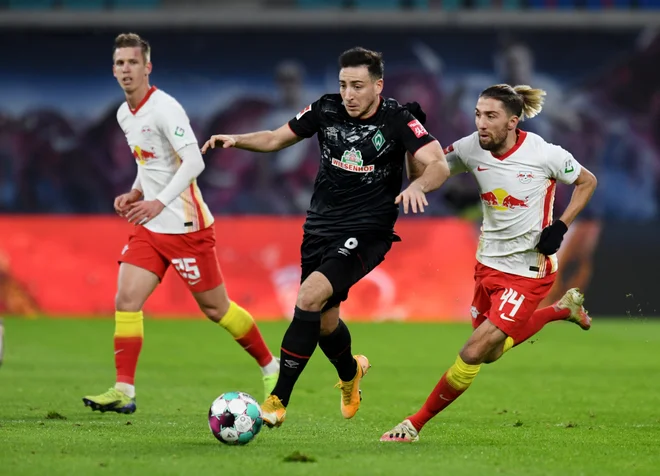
(501, 200)
(142, 156)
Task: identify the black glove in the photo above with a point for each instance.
(551, 238)
(416, 110)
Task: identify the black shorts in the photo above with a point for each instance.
(344, 261)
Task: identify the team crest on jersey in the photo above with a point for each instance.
(142, 156)
(303, 112)
(525, 176)
(146, 130)
(378, 140)
(351, 160)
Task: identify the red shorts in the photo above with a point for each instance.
(506, 300)
(192, 254)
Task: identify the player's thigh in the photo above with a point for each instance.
(134, 286)
(348, 260)
(194, 257)
(480, 299)
(141, 268)
(515, 300)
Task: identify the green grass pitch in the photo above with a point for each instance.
(570, 403)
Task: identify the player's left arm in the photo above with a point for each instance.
(425, 155)
(585, 185)
(175, 126)
(566, 169)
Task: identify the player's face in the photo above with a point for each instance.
(493, 123)
(359, 91)
(130, 69)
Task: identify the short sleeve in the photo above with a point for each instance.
(454, 159)
(562, 165)
(175, 125)
(412, 133)
(307, 122)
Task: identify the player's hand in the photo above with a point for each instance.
(412, 197)
(219, 140)
(123, 201)
(551, 238)
(416, 110)
(142, 212)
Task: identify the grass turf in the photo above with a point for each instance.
(571, 403)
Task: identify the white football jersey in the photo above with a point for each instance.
(156, 130)
(517, 195)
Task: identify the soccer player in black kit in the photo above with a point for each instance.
(349, 229)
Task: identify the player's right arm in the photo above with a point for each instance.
(415, 169)
(304, 125)
(262, 141)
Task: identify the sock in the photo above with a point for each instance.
(239, 323)
(452, 384)
(298, 345)
(129, 333)
(337, 348)
(540, 318)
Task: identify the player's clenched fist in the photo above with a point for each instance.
(413, 197)
(219, 140)
(123, 201)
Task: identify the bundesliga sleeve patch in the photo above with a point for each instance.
(417, 128)
(303, 112)
(449, 149)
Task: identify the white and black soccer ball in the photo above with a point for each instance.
(235, 418)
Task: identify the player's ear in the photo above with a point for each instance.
(513, 122)
(379, 86)
(149, 67)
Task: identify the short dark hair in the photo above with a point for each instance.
(132, 40)
(359, 56)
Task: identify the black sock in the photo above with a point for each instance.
(337, 348)
(298, 345)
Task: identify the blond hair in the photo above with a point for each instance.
(133, 40)
(521, 100)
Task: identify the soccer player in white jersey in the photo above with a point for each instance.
(173, 226)
(516, 172)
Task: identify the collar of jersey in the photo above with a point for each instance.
(521, 138)
(146, 97)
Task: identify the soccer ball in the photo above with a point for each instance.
(235, 418)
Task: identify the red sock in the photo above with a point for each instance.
(441, 396)
(540, 318)
(127, 351)
(254, 344)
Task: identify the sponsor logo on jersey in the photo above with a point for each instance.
(568, 166)
(351, 160)
(500, 200)
(417, 128)
(303, 112)
(331, 133)
(142, 156)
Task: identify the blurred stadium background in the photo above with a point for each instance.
(244, 65)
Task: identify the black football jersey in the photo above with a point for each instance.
(362, 164)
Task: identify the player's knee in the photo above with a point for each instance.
(328, 325)
(128, 301)
(310, 299)
(474, 353)
(215, 312)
